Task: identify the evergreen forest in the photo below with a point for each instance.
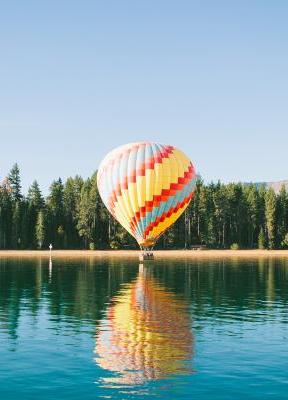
(72, 216)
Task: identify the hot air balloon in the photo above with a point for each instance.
(146, 186)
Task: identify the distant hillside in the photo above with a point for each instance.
(274, 185)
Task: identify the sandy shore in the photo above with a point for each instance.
(134, 253)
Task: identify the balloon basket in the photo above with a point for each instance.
(146, 256)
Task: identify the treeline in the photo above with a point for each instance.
(73, 216)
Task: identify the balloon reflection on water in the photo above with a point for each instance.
(146, 334)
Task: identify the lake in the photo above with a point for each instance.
(114, 329)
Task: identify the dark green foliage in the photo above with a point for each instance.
(261, 239)
(15, 183)
(40, 229)
(270, 215)
(74, 217)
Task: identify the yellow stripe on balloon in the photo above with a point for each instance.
(141, 191)
(150, 182)
(155, 180)
(123, 209)
(174, 168)
(132, 190)
(123, 221)
(162, 226)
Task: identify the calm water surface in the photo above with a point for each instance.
(90, 329)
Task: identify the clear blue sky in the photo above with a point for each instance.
(78, 78)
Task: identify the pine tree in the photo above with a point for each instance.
(6, 213)
(221, 212)
(85, 223)
(252, 199)
(72, 195)
(270, 215)
(40, 229)
(55, 214)
(34, 196)
(15, 182)
(35, 204)
(261, 239)
(202, 219)
(282, 216)
(100, 217)
(16, 226)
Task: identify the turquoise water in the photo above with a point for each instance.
(115, 330)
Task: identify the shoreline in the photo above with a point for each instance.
(189, 254)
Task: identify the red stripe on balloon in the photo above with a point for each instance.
(141, 171)
(164, 196)
(168, 214)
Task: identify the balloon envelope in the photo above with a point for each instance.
(146, 186)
